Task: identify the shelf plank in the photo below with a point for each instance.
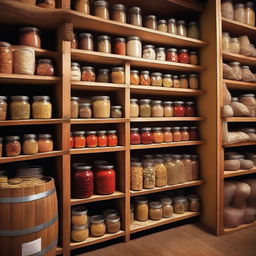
(167, 188)
(241, 144)
(240, 119)
(239, 85)
(94, 198)
(59, 250)
(189, 4)
(33, 122)
(228, 56)
(139, 226)
(114, 59)
(167, 145)
(241, 227)
(99, 121)
(94, 86)
(228, 174)
(95, 240)
(96, 150)
(167, 119)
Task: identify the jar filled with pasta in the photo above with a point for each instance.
(41, 107)
(19, 108)
(161, 173)
(136, 176)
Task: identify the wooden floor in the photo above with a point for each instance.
(183, 241)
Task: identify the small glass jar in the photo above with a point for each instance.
(98, 227)
(167, 81)
(176, 134)
(193, 133)
(193, 30)
(75, 72)
(195, 167)
(155, 210)
(168, 137)
(3, 108)
(102, 138)
(146, 135)
(30, 36)
(74, 107)
(74, 42)
(190, 109)
(239, 13)
(79, 216)
(145, 108)
(19, 108)
(45, 68)
(167, 207)
(183, 81)
(24, 61)
(157, 108)
(181, 28)
(227, 9)
(162, 26)
(135, 137)
(172, 28)
(13, 146)
(158, 136)
(88, 74)
(193, 58)
(156, 79)
(112, 138)
(142, 210)
(101, 106)
(176, 81)
(161, 172)
(104, 44)
(134, 46)
(135, 17)
(249, 14)
(168, 109)
(103, 76)
(250, 102)
(101, 9)
(236, 66)
(82, 6)
(160, 54)
(119, 13)
(29, 145)
(225, 41)
(86, 41)
(79, 139)
(116, 111)
(113, 224)
(179, 109)
(117, 75)
(134, 108)
(149, 52)
(6, 58)
(85, 110)
(91, 139)
(120, 46)
(193, 81)
(136, 176)
(45, 143)
(41, 107)
(134, 77)
(144, 78)
(234, 45)
(79, 233)
(179, 205)
(185, 133)
(183, 56)
(105, 180)
(172, 55)
(194, 203)
(150, 22)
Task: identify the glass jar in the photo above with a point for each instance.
(45, 143)
(74, 107)
(103, 76)
(149, 52)
(30, 145)
(227, 9)
(88, 74)
(6, 58)
(239, 13)
(116, 111)
(85, 110)
(179, 205)
(3, 108)
(172, 171)
(167, 134)
(79, 233)
(168, 109)
(225, 41)
(193, 133)
(101, 106)
(193, 81)
(119, 13)
(162, 26)
(13, 146)
(98, 227)
(79, 139)
(145, 108)
(161, 172)
(71, 141)
(167, 207)
(150, 22)
(183, 56)
(91, 139)
(19, 108)
(193, 58)
(82, 6)
(41, 107)
(179, 109)
(155, 210)
(167, 81)
(250, 102)
(79, 216)
(112, 138)
(149, 176)
(102, 138)
(187, 161)
(110, 213)
(176, 134)
(136, 176)
(160, 54)
(30, 36)
(117, 75)
(135, 137)
(190, 109)
(172, 28)
(194, 203)
(193, 30)
(176, 81)
(45, 68)
(249, 14)
(172, 55)
(86, 41)
(185, 133)
(157, 108)
(24, 61)
(49, 4)
(74, 42)
(236, 69)
(181, 178)
(146, 135)
(120, 46)
(134, 46)
(144, 78)
(142, 210)
(135, 17)
(101, 9)
(75, 72)
(104, 44)
(156, 79)
(183, 81)
(134, 77)
(195, 167)
(181, 28)
(105, 180)
(158, 136)
(134, 108)
(113, 224)
(234, 45)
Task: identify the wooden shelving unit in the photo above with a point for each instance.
(229, 174)
(239, 85)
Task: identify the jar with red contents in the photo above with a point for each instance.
(190, 108)
(172, 55)
(83, 181)
(183, 56)
(179, 109)
(135, 137)
(185, 133)
(193, 133)
(120, 46)
(158, 136)
(88, 74)
(167, 134)
(102, 138)
(79, 139)
(176, 134)
(146, 136)
(112, 138)
(91, 139)
(71, 141)
(105, 180)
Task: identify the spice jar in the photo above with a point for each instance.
(113, 224)
(176, 81)
(104, 44)
(179, 109)
(116, 111)
(193, 133)
(41, 107)
(172, 55)
(160, 54)
(181, 28)
(225, 41)
(193, 58)
(19, 108)
(134, 108)
(136, 176)
(82, 6)
(179, 205)
(227, 9)
(24, 61)
(91, 139)
(85, 110)
(190, 109)
(167, 207)
(167, 81)
(3, 108)
(144, 78)
(119, 13)
(156, 79)
(102, 139)
(30, 36)
(103, 76)
(195, 167)
(134, 46)
(134, 77)
(250, 102)
(162, 26)
(120, 46)
(146, 135)
(167, 134)
(105, 180)
(193, 81)
(168, 109)
(155, 210)
(160, 172)
(101, 9)
(149, 52)
(112, 138)
(88, 74)
(79, 216)
(141, 209)
(45, 143)
(71, 141)
(13, 146)
(135, 17)
(185, 133)
(86, 41)
(98, 227)
(75, 72)
(148, 175)
(30, 145)
(79, 139)
(183, 56)
(74, 107)
(145, 108)
(158, 136)
(194, 203)
(150, 22)
(101, 106)
(157, 108)
(183, 81)
(249, 14)
(172, 28)
(135, 137)
(117, 75)
(79, 233)
(45, 68)
(6, 61)
(239, 13)
(193, 30)
(176, 134)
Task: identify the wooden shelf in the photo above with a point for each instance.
(138, 226)
(59, 250)
(228, 56)
(94, 86)
(167, 188)
(241, 144)
(240, 119)
(33, 122)
(239, 85)
(95, 240)
(167, 119)
(97, 198)
(167, 145)
(114, 59)
(229, 174)
(189, 4)
(96, 150)
(99, 121)
(241, 227)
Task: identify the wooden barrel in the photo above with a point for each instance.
(28, 217)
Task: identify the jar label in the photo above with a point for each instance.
(31, 247)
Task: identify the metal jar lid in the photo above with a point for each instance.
(156, 74)
(135, 9)
(41, 98)
(156, 102)
(3, 98)
(103, 37)
(112, 132)
(120, 39)
(155, 205)
(116, 107)
(133, 38)
(146, 129)
(12, 138)
(162, 22)
(134, 71)
(91, 133)
(113, 219)
(156, 129)
(29, 136)
(79, 133)
(82, 167)
(79, 211)
(136, 164)
(44, 136)
(147, 101)
(151, 17)
(74, 99)
(4, 44)
(105, 167)
(75, 64)
(148, 46)
(167, 102)
(172, 21)
(42, 61)
(85, 35)
(101, 3)
(88, 68)
(141, 200)
(118, 69)
(29, 29)
(119, 7)
(100, 98)
(97, 219)
(15, 98)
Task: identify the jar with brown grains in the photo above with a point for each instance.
(74, 42)
(150, 22)
(88, 74)
(3, 108)
(194, 203)
(149, 176)
(136, 176)
(41, 107)
(104, 44)
(183, 81)
(30, 145)
(135, 17)
(19, 108)
(155, 211)
(82, 6)
(86, 41)
(167, 207)
(179, 205)
(193, 81)
(113, 224)
(117, 75)
(74, 107)
(193, 58)
(85, 110)
(195, 167)
(101, 9)
(103, 76)
(141, 209)
(45, 68)
(6, 62)
(30, 36)
(161, 173)
(157, 108)
(119, 13)
(162, 26)
(188, 167)
(98, 227)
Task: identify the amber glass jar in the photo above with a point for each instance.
(185, 133)
(167, 207)
(101, 106)
(30, 145)
(30, 36)
(155, 211)
(88, 74)
(79, 233)
(135, 17)
(179, 205)
(134, 108)
(183, 81)
(176, 81)
(249, 14)
(162, 26)
(157, 108)
(117, 75)
(176, 134)
(193, 81)
(103, 76)
(141, 209)
(188, 167)
(168, 137)
(74, 107)
(134, 77)
(6, 62)
(194, 203)
(45, 143)
(13, 146)
(82, 6)
(19, 108)
(79, 216)
(98, 227)
(158, 136)
(172, 28)
(45, 67)
(86, 41)
(145, 108)
(101, 9)
(239, 13)
(193, 58)
(150, 22)
(167, 81)
(119, 13)
(41, 107)
(3, 108)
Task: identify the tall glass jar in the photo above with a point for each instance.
(162, 26)
(134, 108)
(19, 108)
(236, 66)
(30, 36)
(141, 209)
(167, 207)
(112, 138)
(179, 205)
(45, 67)
(167, 134)
(144, 78)
(105, 180)
(225, 41)
(193, 133)
(74, 42)
(151, 22)
(193, 81)
(172, 28)
(135, 17)
(136, 176)
(250, 102)
(161, 173)
(74, 107)
(41, 107)
(101, 9)
(3, 108)
(29, 145)
(75, 72)
(149, 175)
(120, 46)
(101, 106)
(146, 135)
(119, 13)
(6, 62)
(134, 46)
(49, 4)
(135, 137)
(102, 138)
(176, 81)
(167, 81)
(155, 210)
(249, 14)
(194, 203)
(195, 167)
(79, 139)
(79, 216)
(181, 178)
(185, 133)
(188, 167)
(82, 6)
(234, 45)
(193, 58)
(86, 41)
(134, 77)
(145, 108)
(104, 44)
(193, 30)
(157, 108)
(183, 81)
(181, 28)
(172, 171)
(24, 61)
(239, 14)
(227, 9)
(158, 136)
